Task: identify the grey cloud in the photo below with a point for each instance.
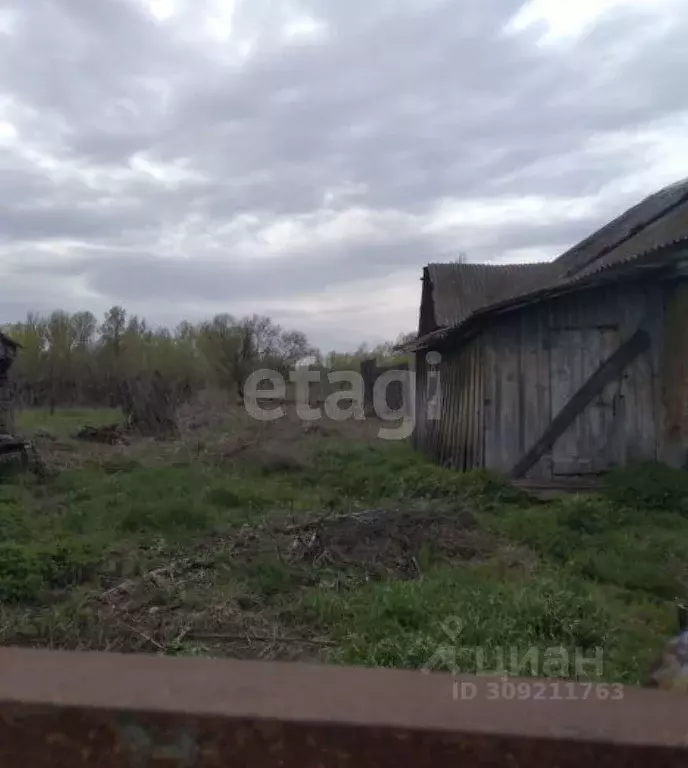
(136, 276)
(407, 104)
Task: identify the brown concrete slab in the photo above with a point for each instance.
(66, 709)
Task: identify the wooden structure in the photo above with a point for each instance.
(65, 709)
(8, 351)
(566, 368)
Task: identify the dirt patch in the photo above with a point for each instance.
(188, 604)
(278, 455)
(381, 543)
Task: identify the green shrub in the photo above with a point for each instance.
(27, 570)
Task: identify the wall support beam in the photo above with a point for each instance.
(609, 370)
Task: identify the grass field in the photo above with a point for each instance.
(327, 545)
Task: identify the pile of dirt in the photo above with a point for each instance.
(156, 611)
(382, 543)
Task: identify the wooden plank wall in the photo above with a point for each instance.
(496, 389)
(674, 383)
(419, 435)
(517, 415)
(517, 408)
(456, 438)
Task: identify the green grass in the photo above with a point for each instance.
(393, 471)
(65, 421)
(91, 512)
(474, 620)
(633, 547)
(602, 572)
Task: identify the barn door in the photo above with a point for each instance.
(591, 444)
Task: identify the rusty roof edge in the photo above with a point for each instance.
(318, 696)
(623, 268)
(632, 233)
(460, 280)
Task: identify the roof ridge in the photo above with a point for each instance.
(489, 264)
(675, 194)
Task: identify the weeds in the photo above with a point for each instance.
(649, 487)
(601, 539)
(472, 615)
(399, 555)
(65, 421)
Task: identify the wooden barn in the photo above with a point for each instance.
(566, 368)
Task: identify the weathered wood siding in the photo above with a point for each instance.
(456, 438)
(675, 376)
(550, 350)
(7, 354)
(501, 390)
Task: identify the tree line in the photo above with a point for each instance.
(73, 359)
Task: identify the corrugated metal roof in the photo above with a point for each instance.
(654, 225)
(671, 227)
(459, 289)
(653, 258)
(653, 222)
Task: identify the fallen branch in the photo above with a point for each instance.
(146, 637)
(258, 638)
(124, 587)
(127, 586)
(359, 516)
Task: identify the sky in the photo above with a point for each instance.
(304, 159)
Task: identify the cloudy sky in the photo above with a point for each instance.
(304, 158)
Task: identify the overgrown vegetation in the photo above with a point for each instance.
(72, 359)
(277, 543)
